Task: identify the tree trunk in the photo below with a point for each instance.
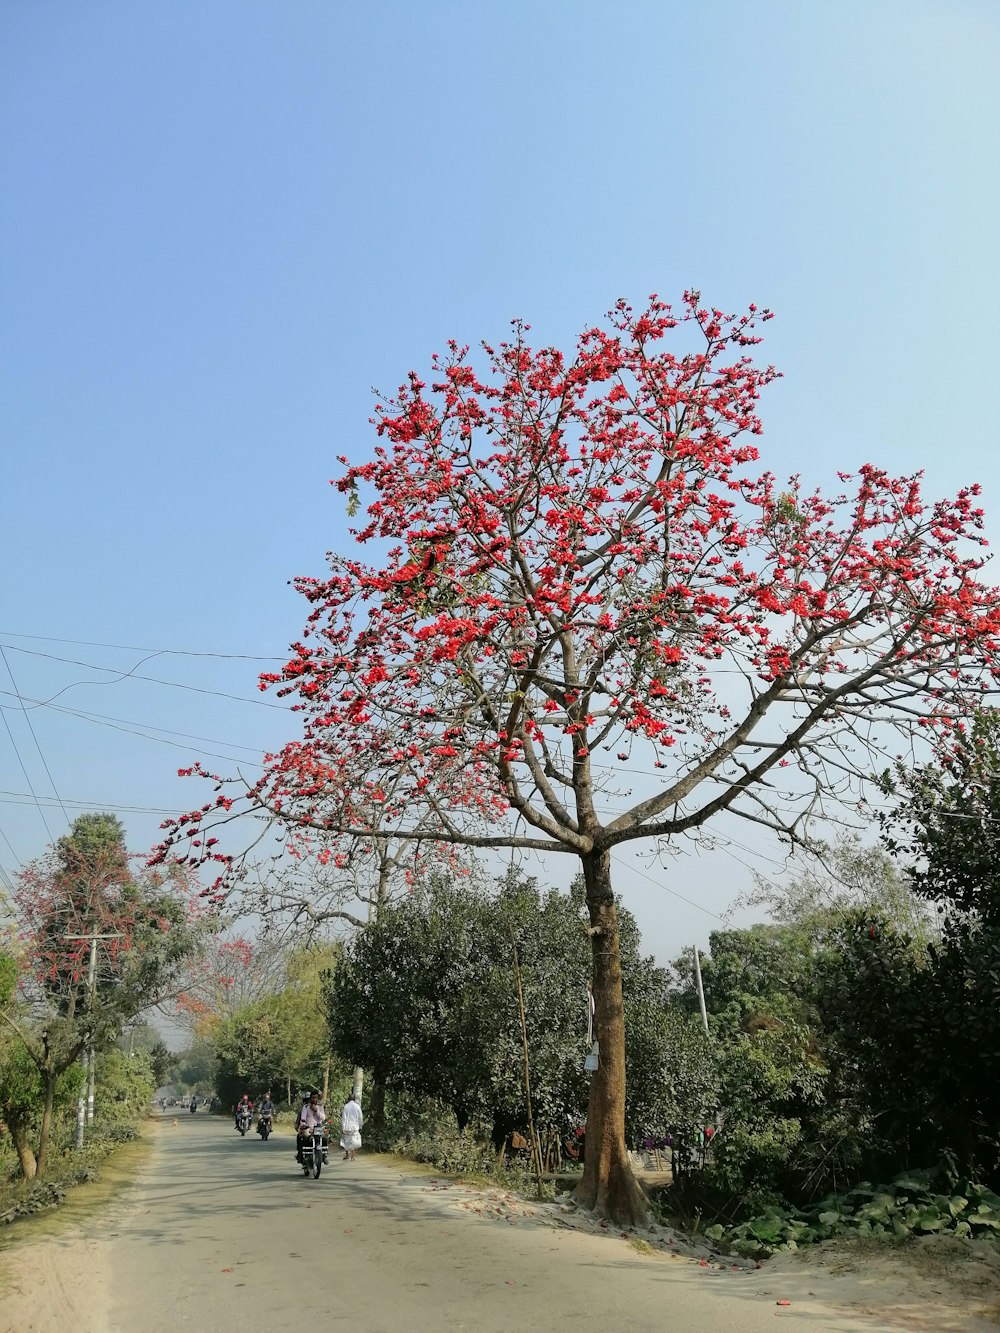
(376, 1109)
(46, 1130)
(25, 1156)
(608, 1187)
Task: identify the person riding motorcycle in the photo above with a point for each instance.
(266, 1110)
(311, 1112)
(244, 1107)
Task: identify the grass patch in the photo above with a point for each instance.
(74, 1187)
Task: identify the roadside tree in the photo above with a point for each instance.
(83, 897)
(581, 576)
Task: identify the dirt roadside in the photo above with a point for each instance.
(53, 1270)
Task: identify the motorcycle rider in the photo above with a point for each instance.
(243, 1107)
(310, 1113)
(265, 1111)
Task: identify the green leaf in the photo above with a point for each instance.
(914, 1182)
(767, 1229)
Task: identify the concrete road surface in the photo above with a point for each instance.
(223, 1233)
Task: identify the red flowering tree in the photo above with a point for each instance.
(581, 573)
(86, 895)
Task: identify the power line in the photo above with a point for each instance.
(690, 901)
(10, 846)
(160, 740)
(48, 772)
(87, 716)
(24, 798)
(132, 674)
(27, 779)
(132, 648)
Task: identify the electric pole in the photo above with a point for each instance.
(85, 1104)
(701, 989)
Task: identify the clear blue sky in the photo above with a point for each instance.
(223, 221)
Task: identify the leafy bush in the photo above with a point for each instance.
(916, 1203)
(459, 1153)
(425, 1131)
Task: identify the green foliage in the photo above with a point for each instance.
(433, 1137)
(945, 827)
(779, 1123)
(848, 1046)
(673, 1077)
(919, 1043)
(195, 1069)
(280, 1039)
(916, 1203)
(8, 978)
(145, 1037)
(124, 1085)
(426, 998)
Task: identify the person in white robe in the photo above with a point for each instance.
(351, 1121)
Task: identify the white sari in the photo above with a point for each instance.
(351, 1121)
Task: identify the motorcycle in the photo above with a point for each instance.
(193, 1107)
(314, 1150)
(264, 1126)
(243, 1122)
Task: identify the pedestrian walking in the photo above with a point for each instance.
(351, 1121)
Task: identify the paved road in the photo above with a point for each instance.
(223, 1233)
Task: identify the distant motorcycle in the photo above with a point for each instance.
(193, 1107)
(314, 1150)
(243, 1122)
(264, 1126)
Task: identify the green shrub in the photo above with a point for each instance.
(916, 1203)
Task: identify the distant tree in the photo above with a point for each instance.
(124, 1086)
(943, 823)
(143, 928)
(844, 876)
(280, 1041)
(144, 1037)
(195, 1067)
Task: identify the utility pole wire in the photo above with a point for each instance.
(27, 779)
(27, 719)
